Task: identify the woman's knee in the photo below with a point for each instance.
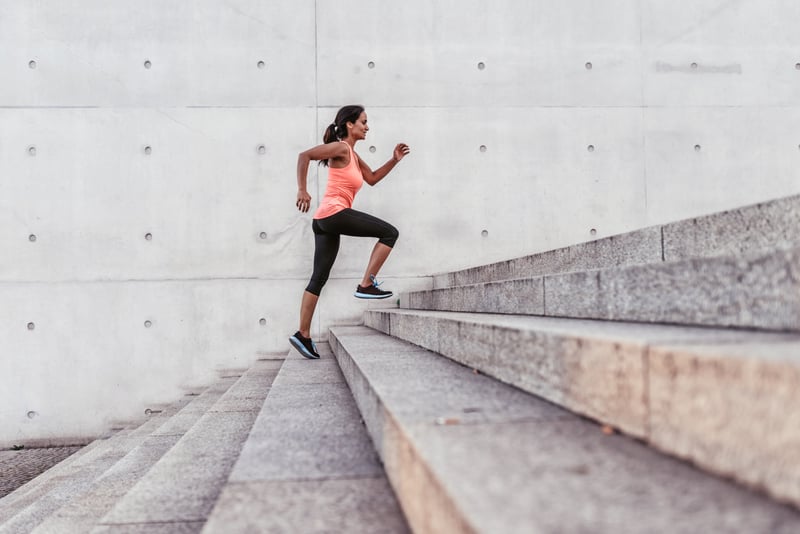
(390, 236)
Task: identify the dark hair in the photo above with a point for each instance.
(337, 130)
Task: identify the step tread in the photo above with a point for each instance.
(451, 441)
(761, 226)
(757, 290)
(81, 475)
(728, 400)
(85, 511)
(181, 487)
(308, 445)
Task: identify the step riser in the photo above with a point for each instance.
(734, 418)
(740, 231)
(758, 292)
(466, 453)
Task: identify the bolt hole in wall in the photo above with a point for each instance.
(31, 414)
(697, 148)
(262, 149)
(485, 233)
(589, 65)
(31, 326)
(263, 235)
(148, 150)
(32, 64)
(481, 65)
(147, 64)
(32, 150)
(590, 148)
(372, 149)
(148, 324)
(148, 237)
(262, 322)
(593, 232)
(371, 64)
(261, 64)
(32, 238)
(482, 148)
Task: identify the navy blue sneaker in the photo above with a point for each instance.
(304, 346)
(372, 292)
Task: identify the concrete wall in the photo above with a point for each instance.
(182, 120)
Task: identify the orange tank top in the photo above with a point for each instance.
(343, 184)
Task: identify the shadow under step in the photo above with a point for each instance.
(308, 465)
(758, 290)
(727, 400)
(467, 453)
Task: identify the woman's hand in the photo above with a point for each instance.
(303, 201)
(400, 151)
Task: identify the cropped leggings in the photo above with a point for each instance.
(326, 240)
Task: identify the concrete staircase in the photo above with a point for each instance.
(646, 382)
(685, 337)
(247, 455)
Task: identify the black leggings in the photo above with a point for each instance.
(326, 240)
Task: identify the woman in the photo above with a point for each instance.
(335, 216)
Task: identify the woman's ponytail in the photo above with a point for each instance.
(330, 135)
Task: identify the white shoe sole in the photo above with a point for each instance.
(368, 296)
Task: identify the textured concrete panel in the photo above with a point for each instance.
(90, 330)
(744, 53)
(748, 229)
(204, 193)
(416, 61)
(745, 155)
(734, 409)
(205, 54)
(339, 505)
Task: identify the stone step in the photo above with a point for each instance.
(308, 465)
(84, 512)
(71, 480)
(773, 224)
(467, 453)
(177, 493)
(727, 400)
(759, 290)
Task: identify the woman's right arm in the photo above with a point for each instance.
(321, 152)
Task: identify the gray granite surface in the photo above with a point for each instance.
(548, 472)
(733, 232)
(733, 418)
(748, 229)
(183, 486)
(756, 290)
(308, 464)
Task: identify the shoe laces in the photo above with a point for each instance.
(374, 280)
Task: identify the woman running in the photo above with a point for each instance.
(335, 216)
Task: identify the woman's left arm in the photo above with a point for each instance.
(372, 178)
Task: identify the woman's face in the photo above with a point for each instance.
(360, 128)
